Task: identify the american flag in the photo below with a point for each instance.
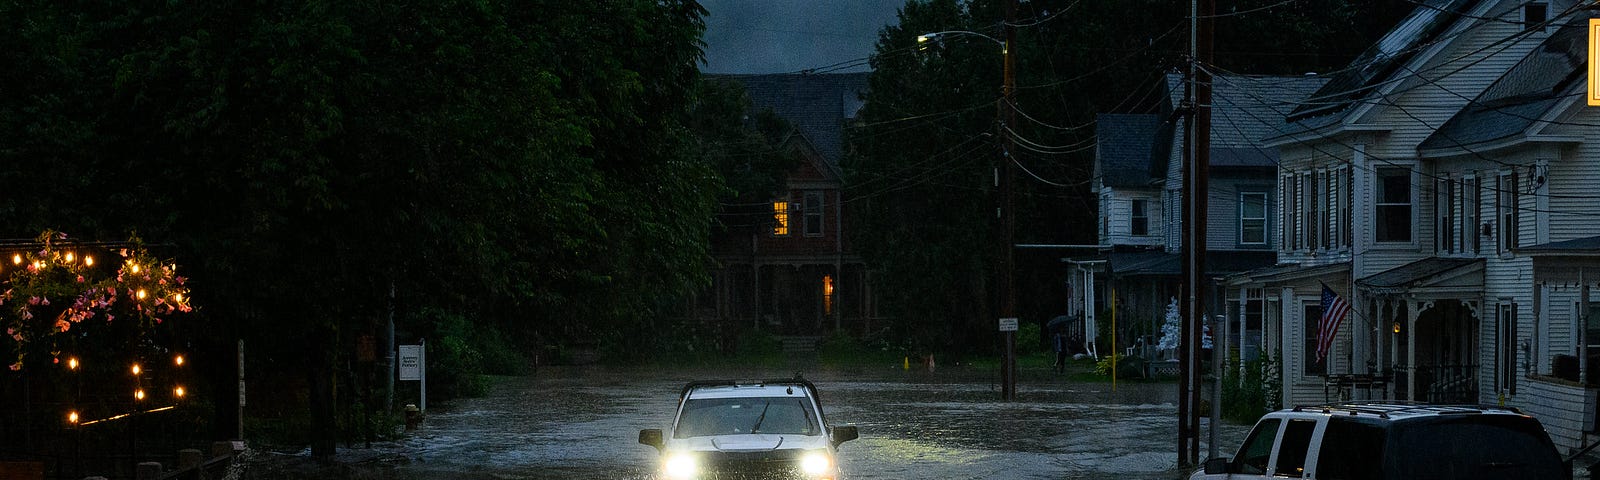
(1333, 312)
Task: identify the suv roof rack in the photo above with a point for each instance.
(797, 380)
(1383, 408)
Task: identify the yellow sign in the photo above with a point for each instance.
(1594, 62)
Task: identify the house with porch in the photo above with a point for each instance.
(1409, 182)
(1139, 176)
(795, 274)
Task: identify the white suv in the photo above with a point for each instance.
(1393, 441)
(769, 429)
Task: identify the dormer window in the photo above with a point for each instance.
(1535, 14)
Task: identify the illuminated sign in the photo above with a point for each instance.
(1594, 61)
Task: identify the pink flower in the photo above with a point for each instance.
(16, 366)
(110, 317)
(80, 278)
(44, 301)
(33, 300)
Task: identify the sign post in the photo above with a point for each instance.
(414, 367)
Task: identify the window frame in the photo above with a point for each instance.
(812, 215)
(782, 218)
(1380, 207)
(1263, 195)
(1139, 217)
(1507, 200)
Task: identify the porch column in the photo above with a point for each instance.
(1291, 370)
(1411, 349)
(1244, 311)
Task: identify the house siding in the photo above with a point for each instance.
(1117, 209)
(1559, 406)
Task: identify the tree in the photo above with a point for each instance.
(309, 158)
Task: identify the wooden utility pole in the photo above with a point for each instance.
(1008, 283)
(1196, 179)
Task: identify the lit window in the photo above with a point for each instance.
(827, 295)
(780, 219)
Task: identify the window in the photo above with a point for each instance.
(1292, 451)
(812, 211)
(1257, 449)
(780, 219)
(1253, 218)
(1334, 196)
(1535, 14)
(1444, 225)
(1349, 195)
(1313, 209)
(1349, 450)
(1392, 218)
(1506, 210)
(1468, 201)
(1312, 316)
(1139, 224)
(1285, 206)
(1507, 355)
(1292, 215)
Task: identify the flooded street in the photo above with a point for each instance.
(583, 423)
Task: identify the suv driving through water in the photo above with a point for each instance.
(768, 430)
(1383, 441)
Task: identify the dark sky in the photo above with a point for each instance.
(778, 36)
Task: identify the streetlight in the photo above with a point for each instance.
(1007, 317)
(928, 37)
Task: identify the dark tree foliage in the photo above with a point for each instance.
(515, 162)
(922, 176)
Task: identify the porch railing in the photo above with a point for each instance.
(1440, 383)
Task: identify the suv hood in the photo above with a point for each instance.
(760, 442)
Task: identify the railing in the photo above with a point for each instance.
(1441, 383)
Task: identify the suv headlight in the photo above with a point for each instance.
(815, 463)
(681, 465)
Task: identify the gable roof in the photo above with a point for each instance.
(1515, 101)
(1123, 146)
(1244, 110)
(1414, 273)
(818, 106)
(1377, 66)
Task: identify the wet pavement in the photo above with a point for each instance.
(583, 423)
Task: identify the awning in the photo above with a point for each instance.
(1428, 273)
(1582, 247)
(1218, 263)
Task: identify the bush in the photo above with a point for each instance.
(1248, 397)
(1031, 340)
(460, 352)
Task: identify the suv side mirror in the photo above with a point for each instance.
(843, 433)
(651, 437)
(1215, 466)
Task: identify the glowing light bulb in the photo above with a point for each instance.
(178, 360)
(133, 267)
(136, 369)
(88, 261)
(72, 363)
(138, 394)
(72, 418)
(141, 294)
(177, 392)
(177, 297)
(69, 257)
(16, 258)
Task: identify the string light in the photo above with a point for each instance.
(88, 261)
(69, 258)
(16, 258)
(72, 417)
(136, 369)
(138, 394)
(178, 360)
(72, 363)
(177, 297)
(141, 292)
(133, 267)
(178, 391)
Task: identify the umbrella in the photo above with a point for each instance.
(1060, 322)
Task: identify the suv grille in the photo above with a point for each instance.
(775, 465)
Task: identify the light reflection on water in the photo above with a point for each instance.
(583, 423)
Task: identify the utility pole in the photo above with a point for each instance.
(1196, 180)
(1004, 174)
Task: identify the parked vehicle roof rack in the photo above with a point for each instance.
(1383, 409)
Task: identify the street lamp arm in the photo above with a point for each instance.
(924, 38)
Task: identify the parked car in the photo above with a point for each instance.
(1393, 441)
(769, 429)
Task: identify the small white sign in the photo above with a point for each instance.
(1008, 324)
(410, 362)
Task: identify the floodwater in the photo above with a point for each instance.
(583, 423)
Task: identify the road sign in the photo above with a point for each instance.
(411, 362)
(1008, 324)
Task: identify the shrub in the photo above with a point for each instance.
(1247, 397)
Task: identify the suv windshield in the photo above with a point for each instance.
(1477, 447)
(732, 416)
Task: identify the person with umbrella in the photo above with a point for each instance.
(1058, 327)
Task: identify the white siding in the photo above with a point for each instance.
(1560, 407)
(1117, 207)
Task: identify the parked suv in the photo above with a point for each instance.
(1393, 441)
(769, 430)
